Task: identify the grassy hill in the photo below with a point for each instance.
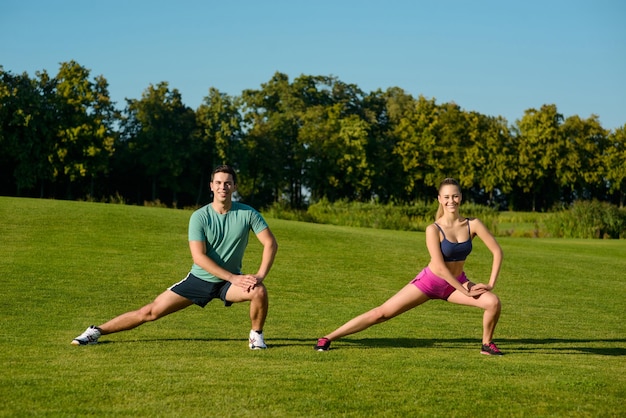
(66, 265)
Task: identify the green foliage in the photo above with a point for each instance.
(281, 210)
(616, 169)
(414, 217)
(114, 199)
(84, 137)
(27, 129)
(582, 220)
(310, 138)
(488, 215)
(372, 215)
(588, 219)
(564, 343)
(159, 137)
(218, 138)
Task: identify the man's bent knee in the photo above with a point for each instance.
(236, 294)
(259, 292)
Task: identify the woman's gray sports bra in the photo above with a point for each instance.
(456, 251)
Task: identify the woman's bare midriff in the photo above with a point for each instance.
(455, 267)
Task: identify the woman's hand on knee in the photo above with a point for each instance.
(482, 286)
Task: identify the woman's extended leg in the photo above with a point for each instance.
(407, 298)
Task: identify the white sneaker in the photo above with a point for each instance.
(90, 336)
(256, 341)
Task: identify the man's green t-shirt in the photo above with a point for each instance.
(226, 236)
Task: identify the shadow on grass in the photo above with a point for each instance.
(508, 345)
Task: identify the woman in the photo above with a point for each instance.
(449, 242)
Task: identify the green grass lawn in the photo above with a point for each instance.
(66, 265)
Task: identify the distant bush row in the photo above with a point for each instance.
(588, 219)
(583, 219)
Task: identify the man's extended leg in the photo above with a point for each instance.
(164, 304)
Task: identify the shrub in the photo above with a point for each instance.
(411, 217)
(588, 219)
(281, 210)
(488, 215)
(369, 215)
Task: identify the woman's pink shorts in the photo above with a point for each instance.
(434, 286)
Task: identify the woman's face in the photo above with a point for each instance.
(450, 197)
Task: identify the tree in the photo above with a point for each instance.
(337, 161)
(277, 154)
(336, 136)
(85, 137)
(27, 121)
(219, 135)
(616, 168)
(420, 146)
(383, 164)
(583, 169)
(158, 133)
(539, 147)
(488, 156)
(450, 129)
(270, 133)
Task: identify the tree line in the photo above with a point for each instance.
(293, 142)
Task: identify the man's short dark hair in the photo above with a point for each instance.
(225, 169)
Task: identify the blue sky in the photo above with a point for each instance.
(498, 58)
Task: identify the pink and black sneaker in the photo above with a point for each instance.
(491, 350)
(323, 344)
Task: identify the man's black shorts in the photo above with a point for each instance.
(200, 291)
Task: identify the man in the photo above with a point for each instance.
(218, 236)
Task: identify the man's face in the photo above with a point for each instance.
(222, 187)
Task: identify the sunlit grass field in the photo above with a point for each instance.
(66, 265)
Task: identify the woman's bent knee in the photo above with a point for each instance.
(493, 302)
